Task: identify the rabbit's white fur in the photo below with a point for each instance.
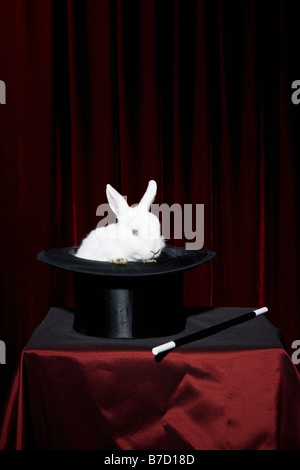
(135, 237)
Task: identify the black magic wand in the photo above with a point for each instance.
(209, 331)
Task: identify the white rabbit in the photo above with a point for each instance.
(135, 237)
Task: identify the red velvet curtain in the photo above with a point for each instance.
(195, 95)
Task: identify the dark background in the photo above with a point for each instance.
(195, 94)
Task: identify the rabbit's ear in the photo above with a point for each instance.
(117, 202)
(149, 195)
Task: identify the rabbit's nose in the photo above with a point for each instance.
(154, 252)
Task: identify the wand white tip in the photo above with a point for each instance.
(163, 347)
(260, 311)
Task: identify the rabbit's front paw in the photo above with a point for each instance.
(120, 261)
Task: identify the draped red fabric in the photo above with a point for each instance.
(177, 415)
(195, 95)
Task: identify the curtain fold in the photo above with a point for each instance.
(195, 95)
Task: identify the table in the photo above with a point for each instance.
(237, 389)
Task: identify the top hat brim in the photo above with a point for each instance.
(172, 260)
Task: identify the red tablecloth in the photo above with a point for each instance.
(235, 390)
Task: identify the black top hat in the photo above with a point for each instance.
(132, 300)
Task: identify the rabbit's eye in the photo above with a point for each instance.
(135, 232)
